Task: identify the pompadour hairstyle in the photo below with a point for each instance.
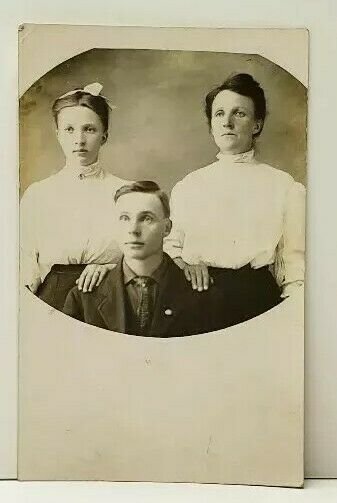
(146, 187)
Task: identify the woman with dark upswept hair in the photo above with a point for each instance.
(66, 230)
(239, 222)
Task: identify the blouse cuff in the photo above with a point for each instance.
(290, 288)
(33, 285)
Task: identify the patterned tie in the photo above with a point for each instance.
(144, 311)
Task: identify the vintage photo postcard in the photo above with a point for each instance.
(162, 254)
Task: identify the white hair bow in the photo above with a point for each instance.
(94, 89)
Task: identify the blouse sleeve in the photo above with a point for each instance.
(173, 244)
(29, 255)
(289, 263)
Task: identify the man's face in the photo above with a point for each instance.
(141, 225)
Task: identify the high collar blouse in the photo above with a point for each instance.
(68, 219)
(238, 211)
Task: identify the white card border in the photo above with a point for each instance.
(321, 317)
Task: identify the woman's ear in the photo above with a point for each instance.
(257, 126)
(104, 137)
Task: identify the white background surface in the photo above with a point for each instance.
(321, 313)
(316, 491)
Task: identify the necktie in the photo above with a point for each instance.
(144, 310)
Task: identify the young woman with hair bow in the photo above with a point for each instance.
(66, 229)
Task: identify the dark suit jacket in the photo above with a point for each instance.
(179, 310)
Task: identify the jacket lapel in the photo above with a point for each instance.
(174, 296)
(112, 300)
(170, 302)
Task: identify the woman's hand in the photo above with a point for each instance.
(197, 274)
(92, 276)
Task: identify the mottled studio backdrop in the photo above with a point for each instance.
(159, 130)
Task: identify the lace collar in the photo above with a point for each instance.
(242, 157)
(94, 170)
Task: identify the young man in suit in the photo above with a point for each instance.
(146, 294)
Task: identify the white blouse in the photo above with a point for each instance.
(238, 211)
(67, 219)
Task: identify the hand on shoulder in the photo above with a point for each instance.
(92, 276)
(196, 274)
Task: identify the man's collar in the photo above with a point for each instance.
(157, 275)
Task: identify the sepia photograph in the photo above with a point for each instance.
(162, 195)
(101, 240)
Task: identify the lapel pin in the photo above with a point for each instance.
(168, 312)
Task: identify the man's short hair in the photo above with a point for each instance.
(146, 187)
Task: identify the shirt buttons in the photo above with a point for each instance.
(81, 176)
(168, 312)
